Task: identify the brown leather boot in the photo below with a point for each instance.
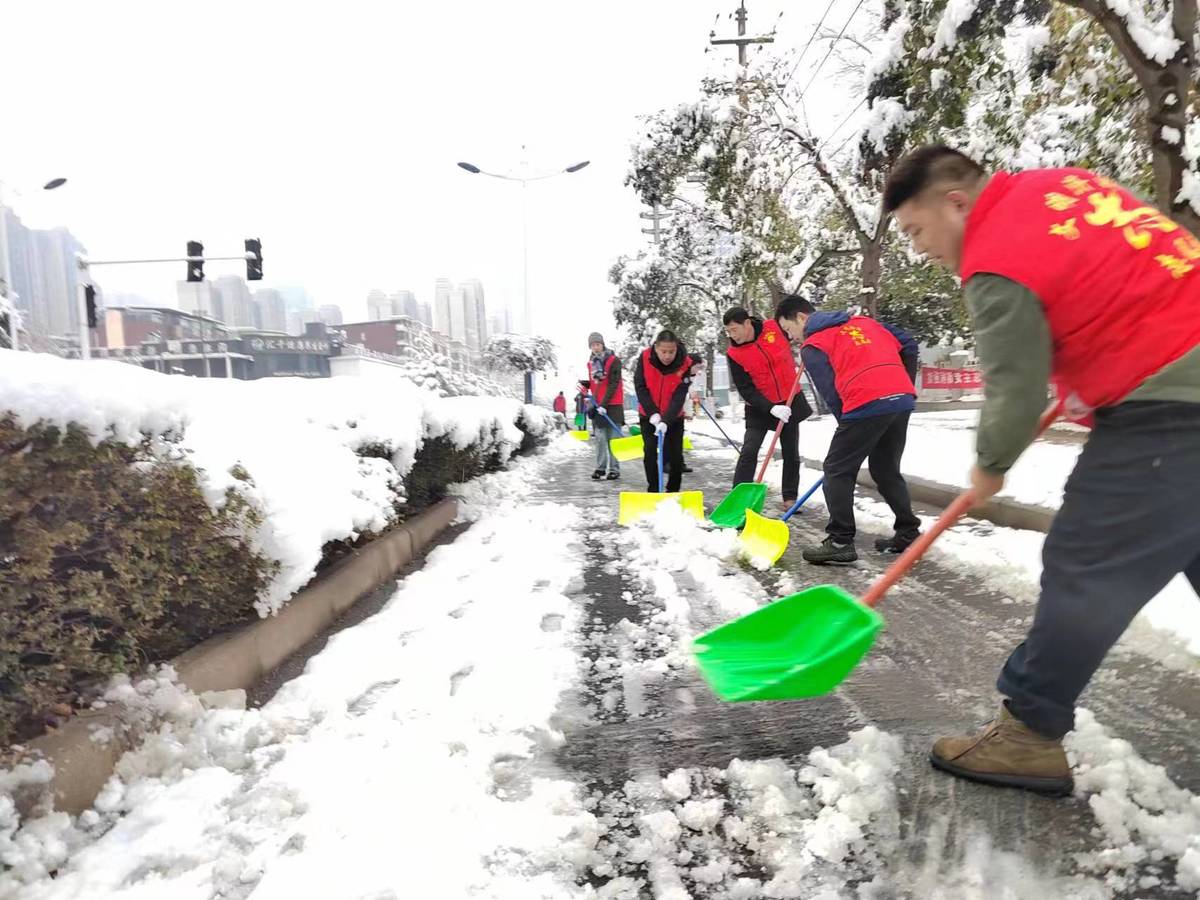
(1007, 753)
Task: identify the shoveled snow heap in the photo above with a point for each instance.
(297, 438)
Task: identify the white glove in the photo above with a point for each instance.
(602, 410)
(655, 419)
(661, 427)
(781, 412)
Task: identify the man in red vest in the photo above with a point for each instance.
(1070, 279)
(608, 398)
(763, 370)
(864, 372)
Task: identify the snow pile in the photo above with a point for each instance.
(434, 372)
(401, 763)
(752, 829)
(299, 440)
(1149, 824)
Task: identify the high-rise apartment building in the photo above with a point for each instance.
(272, 310)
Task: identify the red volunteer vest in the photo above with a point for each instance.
(1117, 279)
(768, 361)
(865, 358)
(662, 385)
(600, 387)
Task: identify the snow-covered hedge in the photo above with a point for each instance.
(316, 462)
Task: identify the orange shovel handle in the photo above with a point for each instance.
(779, 428)
(953, 513)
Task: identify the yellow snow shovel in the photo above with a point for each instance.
(626, 448)
(764, 538)
(637, 505)
(750, 496)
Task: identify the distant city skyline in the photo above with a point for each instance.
(44, 281)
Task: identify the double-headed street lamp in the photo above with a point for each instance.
(524, 179)
(6, 258)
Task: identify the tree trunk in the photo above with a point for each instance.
(777, 292)
(710, 361)
(1166, 89)
(871, 272)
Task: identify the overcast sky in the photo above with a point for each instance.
(332, 131)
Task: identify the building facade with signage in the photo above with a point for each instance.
(180, 343)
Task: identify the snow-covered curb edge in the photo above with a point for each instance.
(1000, 510)
(232, 661)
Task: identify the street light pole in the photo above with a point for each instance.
(524, 179)
(527, 309)
(14, 327)
(6, 258)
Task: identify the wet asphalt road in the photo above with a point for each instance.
(931, 673)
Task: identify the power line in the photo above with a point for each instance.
(811, 38)
(839, 147)
(832, 44)
(841, 125)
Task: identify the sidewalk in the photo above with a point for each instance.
(524, 721)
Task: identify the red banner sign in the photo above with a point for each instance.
(951, 379)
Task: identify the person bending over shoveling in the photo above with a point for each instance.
(1070, 278)
(763, 370)
(864, 372)
(663, 376)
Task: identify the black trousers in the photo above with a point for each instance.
(1128, 525)
(748, 462)
(672, 454)
(879, 440)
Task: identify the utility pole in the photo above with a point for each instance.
(656, 216)
(741, 40)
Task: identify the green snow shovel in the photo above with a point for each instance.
(806, 644)
(731, 512)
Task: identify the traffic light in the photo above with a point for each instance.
(89, 295)
(253, 266)
(195, 267)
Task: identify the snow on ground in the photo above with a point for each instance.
(411, 759)
(298, 439)
(1144, 819)
(752, 829)
(404, 761)
(397, 761)
(1143, 816)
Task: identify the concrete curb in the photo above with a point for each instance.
(1008, 513)
(231, 661)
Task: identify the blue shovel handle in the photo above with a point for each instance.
(732, 442)
(799, 503)
(661, 488)
(617, 428)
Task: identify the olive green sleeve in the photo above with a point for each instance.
(1012, 340)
